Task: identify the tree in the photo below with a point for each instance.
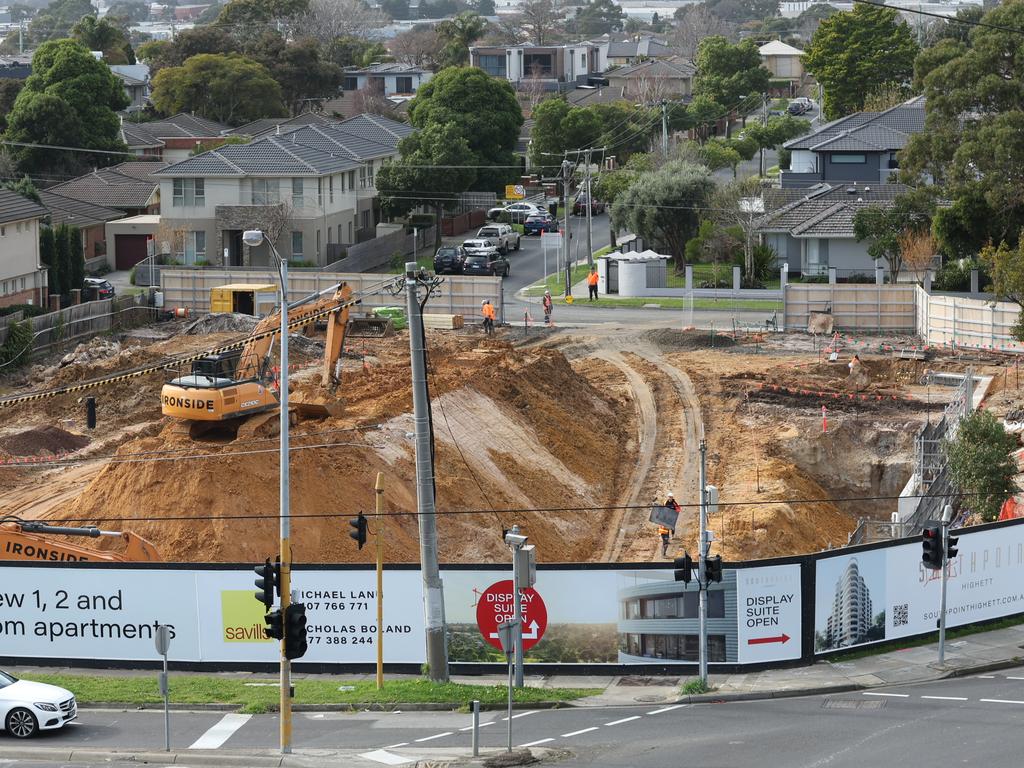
(298, 68)
(396, 9)
(159, 54)
(713, 155)
(486, 110)
(741, 205)
(129, 10)
(23, 187)
(62, 258)
(1006, 266)
(106, 36)
(419, 46)
(981, 463)
(742, 10)
(230, 89)
(348, 51)
(726, 73)
(854, 53)
(56, 21)
(663, 206)
(777, 130)
(486, 8)
(609, 186)
(456, 35)
(327, 20)
(69, 100)
(694, 23)
(917, 252)
(48, 257)
(9, 90)
(540, 21)
(599, 17)
(883, 226)
(76, 275)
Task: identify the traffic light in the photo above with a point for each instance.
(712, 569)
(274, 628)
(931, 545)
(951, 549)
(268, 582)
(295, 631)
(359, 532)
(684, 568)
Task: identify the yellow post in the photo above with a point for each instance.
(286, 678)
(379, 488)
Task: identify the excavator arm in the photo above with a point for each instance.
(30, 540)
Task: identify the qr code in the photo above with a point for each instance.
(900, 615)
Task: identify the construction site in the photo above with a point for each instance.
(570, 433)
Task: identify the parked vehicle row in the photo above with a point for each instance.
(477, 256)
(800, 106)
(517, 212)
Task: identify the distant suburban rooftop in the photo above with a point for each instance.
(14, 207)
(68, 210)
(826, 210)
(673, 67)
(779, 48)
(888, 130)
(128, 185)
(645, 46)
(387, 68)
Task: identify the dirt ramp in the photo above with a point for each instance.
(41, 441)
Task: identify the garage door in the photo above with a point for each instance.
(129, 250)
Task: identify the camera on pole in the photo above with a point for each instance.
(931, 545)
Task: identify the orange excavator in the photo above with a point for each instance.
(30, 540)
(239, 382)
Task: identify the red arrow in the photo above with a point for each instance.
(760, 640)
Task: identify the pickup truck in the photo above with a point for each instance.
(502, 235)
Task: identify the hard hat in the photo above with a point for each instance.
(483, 302)
(547, 293)
(671, 495)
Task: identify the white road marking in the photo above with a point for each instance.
(482, 725)
(946, 698)
(1001, 701)
(1014, 678)
(666, 709)
(986, 677)
(380, 756)
(435, 736)
(220, 732)
(399, 744)
(521, 714)
(577, 733)
(623, 720)
(536, 743)
(895, 695)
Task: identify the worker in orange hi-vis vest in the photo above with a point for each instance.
(487, 310)
(592, 283)
(663, 531)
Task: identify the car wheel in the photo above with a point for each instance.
(21, 723)
(518, 243)
(508, 271)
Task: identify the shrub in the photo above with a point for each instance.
(29, 310)
(15, 349)
(956, 276)
(981, 463)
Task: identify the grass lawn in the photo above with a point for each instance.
(199, 689)
(556, 282)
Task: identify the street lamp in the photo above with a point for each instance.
(254, 238)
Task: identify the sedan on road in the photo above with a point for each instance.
(496, 265)
(27, 708)
(479, 247)
(539, 224)
(517, 212)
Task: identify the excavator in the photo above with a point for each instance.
(29, 540)
(233, 385)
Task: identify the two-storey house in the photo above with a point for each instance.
(22, 276)
(552, 67)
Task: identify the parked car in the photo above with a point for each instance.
(496, 265)
(95, 288)
(517, 212)
(539, 223)
(502, 234)
(579, 208)
(479, 247)
(27, 708)
(798, 107)
(448, 260)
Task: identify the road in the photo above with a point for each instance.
(528, 261)
(969, 721)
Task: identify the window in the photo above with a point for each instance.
(583, 61)
(349, 232)
(297, 193)
(191, 247)
(351, 179)
(367, 221)
(369, 174)
(17, 227)
(493, 64)
(3, 231)
(296, 245)
(320, 192)
(318, 243)
(537, 65)
(403, 85)
(330, 188)
(848, 159)
(716, 604)
(341, 182)
(188, 192)
(266, 191)
(339, 234)
(362, 177)
(351, 83)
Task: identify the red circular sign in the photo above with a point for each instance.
(496, 606)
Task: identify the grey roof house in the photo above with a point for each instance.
(22, 276)
(129, 187)
(861, 147)
(171, 139)
(815, 231)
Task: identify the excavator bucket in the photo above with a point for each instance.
(370, 327)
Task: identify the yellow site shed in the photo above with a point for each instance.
(244, 298)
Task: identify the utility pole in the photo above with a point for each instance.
(286, 547)
(566, 209)
(433, 591)
(947, 517)
(378, 489)
(764, 123)
(590, 220)
(702, 558)
(664, 127)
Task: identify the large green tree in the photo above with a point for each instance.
(1006, 266)
(9, 90)
(230, 89)
(882, 226)
(56, 20)
(664, 206)
(106, 36)
(729, 72)
(456, 35)
(69, 100)
(981, 463)
(487, 113)
(298, 67)
(853, 54)
(599, 17)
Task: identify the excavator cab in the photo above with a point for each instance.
(214, 392)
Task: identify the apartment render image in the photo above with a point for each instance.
(848, 618)
(311, 189)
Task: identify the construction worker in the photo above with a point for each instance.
(547, 303)
(592, 283)
(664, 532)
(487, 310)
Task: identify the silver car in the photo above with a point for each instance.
(480, 247)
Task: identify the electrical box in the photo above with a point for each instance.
(524, 561)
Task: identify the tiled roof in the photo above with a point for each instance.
(269, 156)
(827, 211)
(390, 68)
(141, 170)
(137, 137)
(604, 94)
(870, 137)
(906, 118)
(128, 185)
(377, 128)
(633, 48)
(14, 207)
(292, 124)
(180, 126)
(675, 67)
(67, 210)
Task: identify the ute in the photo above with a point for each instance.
(30, 540)
(235, 384)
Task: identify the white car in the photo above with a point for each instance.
(518, 212)
(27, 708)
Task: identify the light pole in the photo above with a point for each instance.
(253, 238)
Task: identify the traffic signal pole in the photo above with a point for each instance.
(947, 516)
(702, 557)
(285, 515)
(379, 491)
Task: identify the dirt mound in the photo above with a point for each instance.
(220, 322)
(673, 340)
(41, 441)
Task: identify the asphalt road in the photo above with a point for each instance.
(528, 261)
(966, 721)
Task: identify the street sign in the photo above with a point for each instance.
(162, 639)
(666, 516)
(496, 606)
(515, 191)
(507, 636)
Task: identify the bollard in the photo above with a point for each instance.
(476, 728)
(90, 412)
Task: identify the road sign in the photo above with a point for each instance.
(496, 606)
(507, 636)
(162, 639)
(515, 191)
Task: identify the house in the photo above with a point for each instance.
(135, 78)
(785, 64)
(129, 187)
(266, 126)
(22, 276)
(89, 218)
(551, 67)
(310, 185)
(172, 139)
(815, 231)
(389, 80)
(651, 81)
(620, 53)
(861, 147)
